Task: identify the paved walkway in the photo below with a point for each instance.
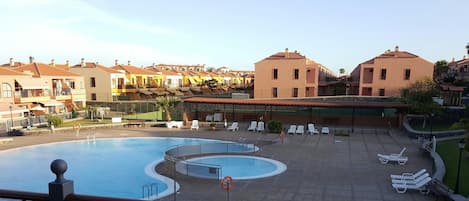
(319, 167)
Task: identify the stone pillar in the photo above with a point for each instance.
(61, 187)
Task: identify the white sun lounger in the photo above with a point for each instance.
(292, 129)
(260, 126)
(414, 181)
(300, 130)
(384, 159)
(233, 127)
(252, 126)
(312, 130)
(421, 186)
(195, 124)
(400, 153)
(409, 176)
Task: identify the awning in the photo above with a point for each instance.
(37, 108)
(33, 83)
(52, 103)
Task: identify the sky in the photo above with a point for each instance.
(237, 33)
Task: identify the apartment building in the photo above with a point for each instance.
(53, 88)
(8, 108)
(459, 69)
(288, 74)
(101, 83)
(387, 73)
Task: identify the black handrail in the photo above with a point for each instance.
(77, 197)
(23, 195)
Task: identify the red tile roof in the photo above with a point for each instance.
(133, 70)
(281, 55)
(40, 69)
(98, 66)
(7, 71)
(15, 64)
(391, 54)
(295, 103)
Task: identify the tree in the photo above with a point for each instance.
(419, 96)
(166, 103)
(342, 71)
(441, 67)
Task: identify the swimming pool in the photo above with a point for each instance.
(109, 167)
(237, 166)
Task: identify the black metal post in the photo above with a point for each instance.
(461, 147)
(431, 124)
(61, 187)
(11, 117)
(353, 118)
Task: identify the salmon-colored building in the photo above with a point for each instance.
(388, 73)
(288, 74)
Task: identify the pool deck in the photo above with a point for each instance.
(319, 167)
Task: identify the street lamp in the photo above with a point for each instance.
(11, 116)
(461, 144)
(431, 124)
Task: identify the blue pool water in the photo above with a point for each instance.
(239, 166)
(110, 167)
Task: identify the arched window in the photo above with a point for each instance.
(6, 90)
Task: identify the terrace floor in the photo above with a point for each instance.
(319, 167)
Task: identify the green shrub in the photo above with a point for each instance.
(274, 126)
(56, 120)
(74, 113)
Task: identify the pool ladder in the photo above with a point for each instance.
(149, 191)
(91, 139)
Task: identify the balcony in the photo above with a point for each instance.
(19, 100)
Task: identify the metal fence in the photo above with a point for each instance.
(29, 121)
(178, 156)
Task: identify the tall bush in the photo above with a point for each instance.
(56, 120)
(274, 126)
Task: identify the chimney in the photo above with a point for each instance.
(67, 63)
(31, 59)
(82, 64)
(464, 57)
(453, 60)
(154, 65)
(286, 53)
(12, 63)
(97, 62)
(396, 49)
(52, 62)
(128, 63)
(116, 62)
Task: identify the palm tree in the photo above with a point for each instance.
(166, 103)
(467, 47)
(342, 71)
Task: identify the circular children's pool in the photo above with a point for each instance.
(237, 166)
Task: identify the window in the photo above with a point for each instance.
(6, 90)
(275, 73)
(274, 92)
(295, 92)
(381, 92)
(383, 74)
(92, 82)
(296, 74)
(407, 74)
(93, 96)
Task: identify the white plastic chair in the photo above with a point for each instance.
(300, 130)
(421, 186)
(260, 126)
(312, 130)
(325, 130)
(195, 124)
(252, 126)
(292, 129)
(233, 127)
(409, 176)
(400, 153)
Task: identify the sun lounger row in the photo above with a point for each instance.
(417, 181)
(299, 129)
(256, 126)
